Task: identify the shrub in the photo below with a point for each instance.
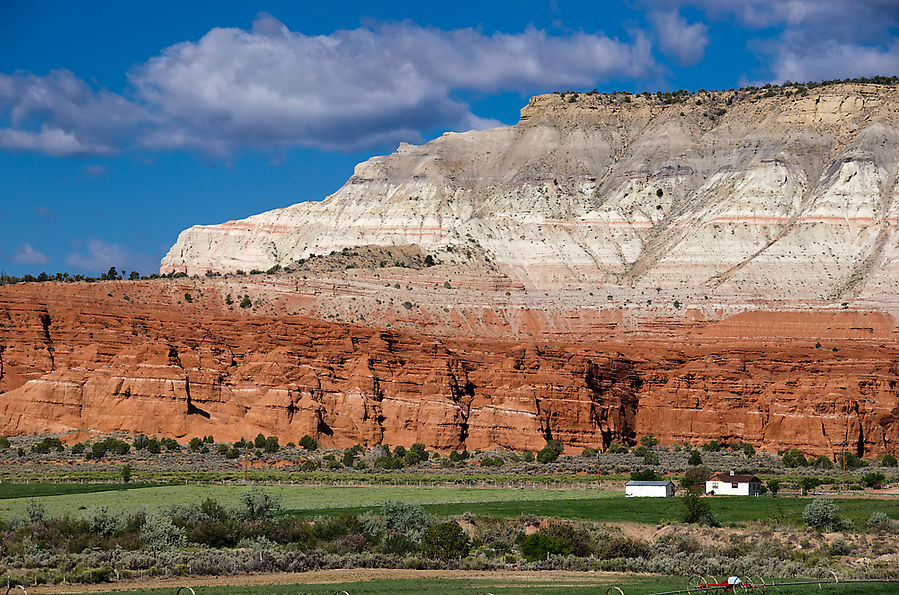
(625, 547)
(140, 441)
(550, 452)
(78, 448)
(105, 523)
(695, 458)
(649, 441)
(528, 456)
(397, 544)
(458, 457)
(874, 478)
(694, 479)
(644, 475)
(258, 505)
(886, 460)
(271, 444)
(849, 460)
(36, 512)
(445, 541)
(748, 450)
(160, 534)
(46, 445)
(588, 452)
(808, 483)
(195, 444)
(878, 520)
(793, 458)
(125, 472)
(822, 462)
(822, 513)
(711, 446)
(309, 443)
(697, 510)
(245, 302)
(408, 519)
(538, 546)
(773, 486)
(4, 443)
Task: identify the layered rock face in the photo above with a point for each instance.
(743, 197)
(128, 356)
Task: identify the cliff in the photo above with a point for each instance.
(729, 197)
(128, 356)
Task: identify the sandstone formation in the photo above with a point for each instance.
(733, 197)
(127, 356)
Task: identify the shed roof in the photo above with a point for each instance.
(648, 483)
(728, 478)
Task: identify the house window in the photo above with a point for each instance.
(734, 485)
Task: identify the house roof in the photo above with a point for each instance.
(728, 478)
(648, 483)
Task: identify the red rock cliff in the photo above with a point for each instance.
(128, 356)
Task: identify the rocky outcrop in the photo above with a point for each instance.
(128, 356)
(732, 197)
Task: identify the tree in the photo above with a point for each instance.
(538, 546)
(309, 443)
(808, 483)
(550, 452)
(873, 479)
(849, 461)
(271, 444)
(748, 450)
(245, 302)
(889, 460)
(694, 479)
(445, 541)
(126, 473)
(697, 510)
(773, 486)
(649, 441)
(695, 458)
(258, 505)
(822, 462)
(644, 475)
(259, 442)
(794, 458)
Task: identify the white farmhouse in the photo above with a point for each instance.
(734, 485)
(649, 489)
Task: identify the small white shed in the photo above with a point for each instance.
(649, 489)
(734, 485)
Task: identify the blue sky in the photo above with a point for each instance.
(122, 123)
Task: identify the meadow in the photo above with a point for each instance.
(592, 504)
(549, 583)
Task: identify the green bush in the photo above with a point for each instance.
(309, 443)
(878, 520)
(408, 519)
(160, 534)
(644, 475)
(245, 302)
(793, 458)
(528, 456)
(849, 460)
(694, 479)
(874, 478)
(48, 444)
(773, 486)
(649, 441)
(822, 513)
(624, 547)
(696, 510)
(445, 541)
(258, 505)
(806, 484)
(711, 446)
(886, 460)
(550, 452)
(695, 458)
(538, 546)
(822, 462)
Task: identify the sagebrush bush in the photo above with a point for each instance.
(160, 534)
(822, 513)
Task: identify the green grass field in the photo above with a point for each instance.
(509, 586)
(34, 490)
(587, 504)
(297, 497)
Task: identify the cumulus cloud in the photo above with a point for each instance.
(61, 115)
(687, 42)
(98, 255)
(271, 88)
(814, 39)
(28, 255)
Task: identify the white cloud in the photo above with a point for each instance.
(687, 42)
(271, 88)
(99, 255)
(28, 255)
(813, 39)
